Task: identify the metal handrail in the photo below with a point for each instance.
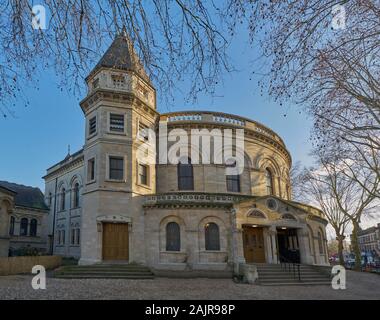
(292, 265)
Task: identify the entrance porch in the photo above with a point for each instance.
(273, 244)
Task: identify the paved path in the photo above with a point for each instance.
(359, 286)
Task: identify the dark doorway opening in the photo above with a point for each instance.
(288, 247)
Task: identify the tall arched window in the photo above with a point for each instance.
(63, 199)
(173, 237)
(33, 228)
(269, 181)
(320, 242)
(12, 226)
(212, 240)
(76, 195)
(185, 175)
(24, 227)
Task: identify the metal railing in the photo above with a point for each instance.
(291, 266)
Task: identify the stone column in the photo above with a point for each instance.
(303, 242)
(237, 243)
(273, 242)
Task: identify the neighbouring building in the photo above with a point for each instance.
(369, 240)
(23, 220)
(107, 203)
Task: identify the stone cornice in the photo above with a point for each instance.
(64, 168)
(115, 96)
(187, 199)
(318, 219)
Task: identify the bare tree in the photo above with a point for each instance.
(319, 188)
(174, 40)
(323, 55)
(352, 199)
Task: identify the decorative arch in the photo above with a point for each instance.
(7, 204)
(256, 213)
(288, 216)
(263, 162)
(76, 178)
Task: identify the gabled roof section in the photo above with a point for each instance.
(26, 196)
(122, 55)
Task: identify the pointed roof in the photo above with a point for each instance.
(122, 55)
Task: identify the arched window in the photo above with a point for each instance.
(173, 237)
(320, 242)
(24, 227)
(76, 195)
(185, 175)
(269, 181)
(12, 226)
(212, 241)
(63, 199)
(33, 228)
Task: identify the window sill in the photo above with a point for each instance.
(146, 186)
(117, 181)
(174, 252)
(117, 133)
(90, 182)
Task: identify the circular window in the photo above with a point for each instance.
(272, 204)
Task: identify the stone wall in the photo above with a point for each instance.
(16, 265)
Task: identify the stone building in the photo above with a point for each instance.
(23, 220)
(369, 240)
(108, 203)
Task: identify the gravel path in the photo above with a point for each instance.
(359, 286)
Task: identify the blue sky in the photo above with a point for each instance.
(38, 136)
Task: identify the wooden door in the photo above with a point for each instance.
(253, 243)
(115, 241)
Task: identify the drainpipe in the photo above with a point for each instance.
(54, 214)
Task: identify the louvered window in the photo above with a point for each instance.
(92, 126)
(116, 122)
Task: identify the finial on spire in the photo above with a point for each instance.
(68, 150)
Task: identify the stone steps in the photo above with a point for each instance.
(127, 271)
(274, 274)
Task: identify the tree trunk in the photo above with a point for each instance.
(340, 239)
(355, 246)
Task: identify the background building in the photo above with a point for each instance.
(369, 240)
(24, 218)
